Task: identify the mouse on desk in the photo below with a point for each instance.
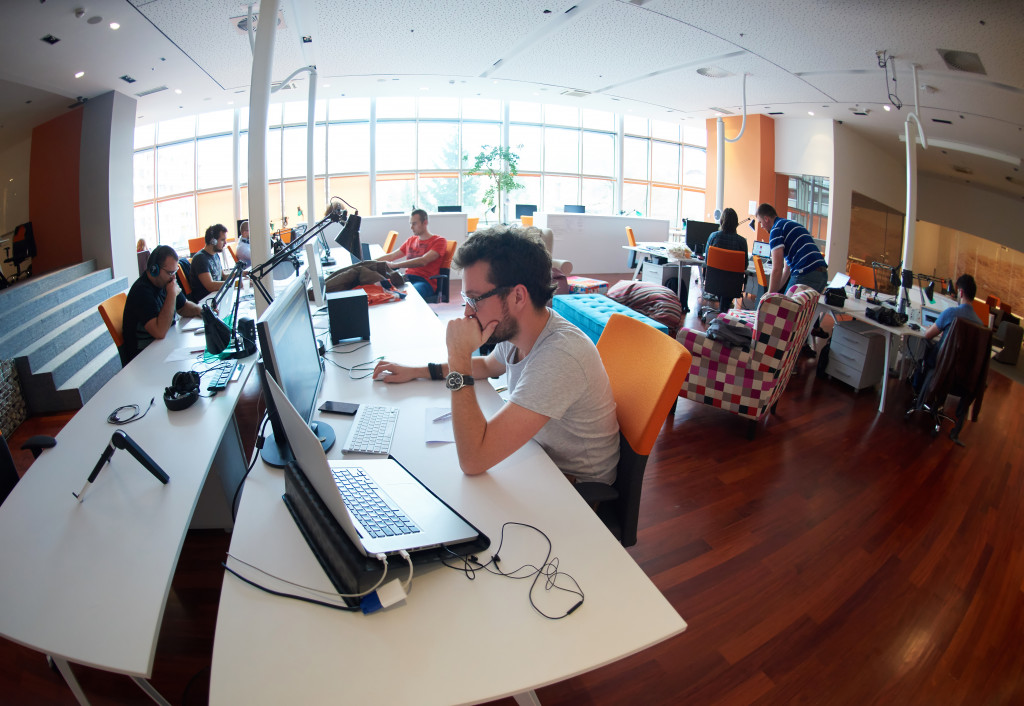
(914, 327)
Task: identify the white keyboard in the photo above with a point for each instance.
(372, 430)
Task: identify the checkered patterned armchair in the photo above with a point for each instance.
(749, 383)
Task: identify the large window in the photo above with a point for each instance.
(392, 154)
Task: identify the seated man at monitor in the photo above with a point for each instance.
(559, 393)
(151, 303)
(795, 257)
(207, 274)
(421, 255)
(966, 289)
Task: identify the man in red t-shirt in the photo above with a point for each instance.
(421, 255)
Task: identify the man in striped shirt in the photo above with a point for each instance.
(795, 257)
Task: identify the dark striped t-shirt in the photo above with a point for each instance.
(802, 255)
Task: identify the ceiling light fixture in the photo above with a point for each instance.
(80, 74)
(115, 25)
(886, 108)
(811, 113)
(178, 91)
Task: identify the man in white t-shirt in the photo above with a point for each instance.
(559, 393)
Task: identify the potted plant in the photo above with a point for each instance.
(499, 165)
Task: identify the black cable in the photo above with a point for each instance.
(884, 61)
(114, 418)
(281, 594)
(358, 367)
(252, 464)
(548, 569)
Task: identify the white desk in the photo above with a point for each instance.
(87, 582)
(455, 640)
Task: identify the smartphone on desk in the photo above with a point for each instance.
(339, 407)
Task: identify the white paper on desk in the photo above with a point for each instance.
(182, 354)
(839, 281)
(442, 431)
(192, 324)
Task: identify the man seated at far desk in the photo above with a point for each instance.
(421, 254)
(206, 273)
(559, 391)
(151, 303)
(966, 289)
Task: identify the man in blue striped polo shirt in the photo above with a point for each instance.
(795, 257)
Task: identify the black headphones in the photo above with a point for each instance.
(183, 392)
(159, 254)
(212, 234)
(153, 267)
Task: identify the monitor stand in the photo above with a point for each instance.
(278, 455)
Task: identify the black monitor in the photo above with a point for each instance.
(572, 208)
(449, 209)
(289, 354)
(697, 234)
(525, 209)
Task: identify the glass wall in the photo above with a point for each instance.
(388, 155)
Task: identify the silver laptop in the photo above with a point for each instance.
(417, 519)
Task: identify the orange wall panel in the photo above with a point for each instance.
(749, 163)
(53, 192)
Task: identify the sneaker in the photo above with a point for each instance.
(818, 332)
(808, 352)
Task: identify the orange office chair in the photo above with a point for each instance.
(644, 395)
(443, 277)
(472, 223)
(993, 301)
(631, 241)
(762, 278)
(286, 235)
(112, 313)
(389, 241)
(231, 249)
(724, 276)
(195, 245)
(183, 280)
(527, 221)
(861, 275)
(982, 310)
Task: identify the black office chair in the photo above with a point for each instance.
(443, 278)
(724, 277)
(8, 472)
(23, 247)
(961, 369)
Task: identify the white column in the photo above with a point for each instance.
(236, 190)
(311, 216)
(720, 167)
(259, 102)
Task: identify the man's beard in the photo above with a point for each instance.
(507, 329)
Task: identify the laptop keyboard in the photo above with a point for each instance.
(378, 516)
(372, 430)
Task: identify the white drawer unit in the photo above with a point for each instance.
(856, 357)
(661, 274)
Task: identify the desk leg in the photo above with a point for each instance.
(885, 372)
(150, 691)
(69, 678)
(527, 698)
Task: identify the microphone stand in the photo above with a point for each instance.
(120, 440)
(258, 272)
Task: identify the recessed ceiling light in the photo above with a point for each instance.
(80, 74)
(886, 108)
(115, 25)
(178, 91)
(94, 20)
(810, 112)
(327, 85)
(713, 72)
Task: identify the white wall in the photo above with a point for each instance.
(804, 146)
(972, 210)
(14, 169)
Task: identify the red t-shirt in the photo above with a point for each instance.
(414, 247)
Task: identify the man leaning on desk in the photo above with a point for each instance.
(795, 257)
(151, 303)
(559, 393)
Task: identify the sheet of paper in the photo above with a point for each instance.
(840, 280)
(183, 354)
(439, 425)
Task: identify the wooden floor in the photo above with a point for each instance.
(842, 557)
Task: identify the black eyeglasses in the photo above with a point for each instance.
(474, 302)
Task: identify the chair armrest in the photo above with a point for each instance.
(564, 265)
(441, 290)
(700, 346)
(596, 492)
(36, 444)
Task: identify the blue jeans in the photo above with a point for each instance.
(423, 286)
(815, 279)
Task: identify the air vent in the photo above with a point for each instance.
(50, 39)
(127, 79)
(777, 112)
(941, 121)
(151, 91)
(860, 111)
(713, 72)
(290, 86)
(241, 23)
(721, 111)
(962, 61)
(575, 93)
(959, 169)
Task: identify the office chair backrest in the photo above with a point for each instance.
(630, 238)
(981, 309)
(112, 313)
(389, 241)
(183, 279)
(861, 274)
(444, 275)
(527, 221)
(23, 243)
(472, 223)
(231, 249)
(725, 273)
(762, 278)
(195, 245)
(992, 301)
(643, 394)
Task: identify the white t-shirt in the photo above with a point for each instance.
(563, 378)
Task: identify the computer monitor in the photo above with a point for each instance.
(761, 249)
(289, 354)
(317, 281)
(697, 234)
(572, 208)
(525, 209)
(449, 209)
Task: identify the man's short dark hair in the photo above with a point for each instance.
(213, 233)
(730, 221)
(421, 213)
(161, 253)
(515, 255)
(968, 285)
(766, 210)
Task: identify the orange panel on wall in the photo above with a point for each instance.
(749, 163)
(53, 192)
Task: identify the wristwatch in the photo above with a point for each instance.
(456, 381)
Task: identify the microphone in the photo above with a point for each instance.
(120, 440)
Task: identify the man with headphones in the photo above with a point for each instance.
(206, 275)
(151, 303)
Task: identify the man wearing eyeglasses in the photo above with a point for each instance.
(151, 303)
(559, 393)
